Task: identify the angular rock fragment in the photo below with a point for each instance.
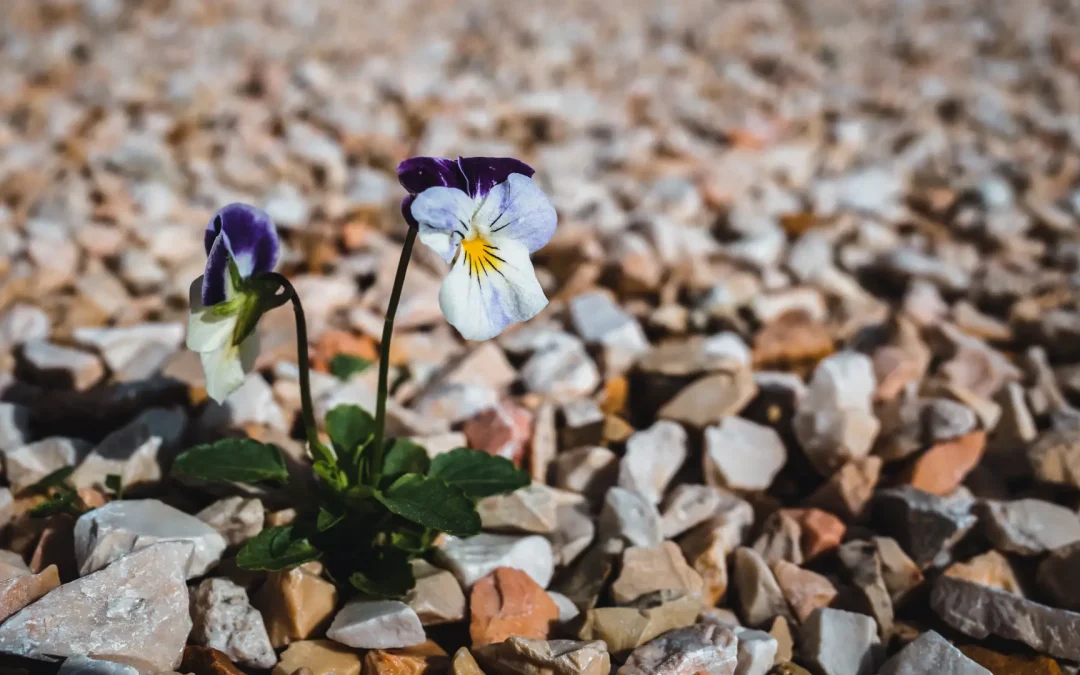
(647, 570)
(436, 598)
(848, 491)
(688, 505)
(84, 665)
(542, 657)
(780, 539)
(120, 527)
(942, 468)
(758, 596)
(653, 457)
(52, 365)
(926, 526)
(931, 653)
(19, 591)
(418, 659)
(601, 321)
(713, 398)
(574, 530)
(757, 652)
(1055, 457)
(742, 455)
(590, 470)
(27, 464)
(804, 590)
(474, 558)
(296, 603)
(235, 518)
(839, 642)
(583, 423)
(509, 603)
(866, 571)
(223, 619)
(590, 574)
(532, 509)
(1028, 526)
(318, 657)
(900, 573)
(376, 624)
(979, 611)
(626, 628)
(629, 516)
(703, 648)
(989, 569)
(135, 609)
(835, 422)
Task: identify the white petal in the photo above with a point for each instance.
(481, 304)
(444, 216)
(206, 331)
(517, 209)
(226, 368)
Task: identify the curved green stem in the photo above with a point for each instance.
(318, 450)
(384, 357)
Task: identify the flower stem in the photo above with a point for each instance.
(384, 357)
(318, 450)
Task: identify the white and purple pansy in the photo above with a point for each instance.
(241, 243)
(484, 216)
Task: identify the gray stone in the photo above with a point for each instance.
(780, 539)
(28, 464)
(926, 526)
(742, 455)
(589, 575)
(563, 371)
(376, 624)
(757, 651)
(704, 648)
(583, 423)
(456, 402)
(980, 611)
(120, 345)
(629, 516)
(23, 323)
(223, 618)
(652, 458)
(235, 518)
(574, 530)
(135, 609)
(839, 642)
(474, 558)
(758, 596)
(252, 403)
(945, 419)
(865, 567)
(567, 609)
(1028, 526)
(121, 527)
(900, 573)
(931, 653)
(134, 452)
(712, 398)
(599, 320)
(690, 504)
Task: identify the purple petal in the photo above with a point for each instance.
(472, 175)
(420, 173)
(216, 274)
(406, 210)
(483, 173)
(249, 236)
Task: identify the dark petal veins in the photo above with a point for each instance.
(252, 237)
(484, 173)
(420, 173)
(217, 270)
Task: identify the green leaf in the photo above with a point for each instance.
(404, 456)
(233, 459)
(386, 574)
(326, 520)
(63, 502)
(413, 541)
(331, 475)
(350, 428)
(344, 366)
(276, 548)
(432, 503)
(114, 482)
(57, 478)
(477, 473)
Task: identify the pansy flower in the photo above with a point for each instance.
(241, 243)
(484, 216)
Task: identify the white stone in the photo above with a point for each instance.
(757, 651)
(567, 609)
(235, 518)
(574, 531)
(598, 319)
(839, 642)
(223, 618)
(690, 504)
(30, 463)
(742, 455)
(120, 345)
(252, 403)
(62, 365)
(133, 452)
(565, 371)
(120, 527)
(631, 517)
(653, 457)
(135, 609)
(590, 470)
(474, 558)
(84, 665)
(376, 624)
(23, 323)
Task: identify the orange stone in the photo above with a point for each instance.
(942, 468)
(502, 431)
(464, 664)
(508, 603)
(1011, 664)
(804, 590)
(613, 400)
(207, 661)
(334, 342)
(821, 530)
(793, 338)
(424, 659)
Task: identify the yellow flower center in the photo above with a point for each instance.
(481, 256)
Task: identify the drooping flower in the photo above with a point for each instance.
(241, 243)
(484, 216)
